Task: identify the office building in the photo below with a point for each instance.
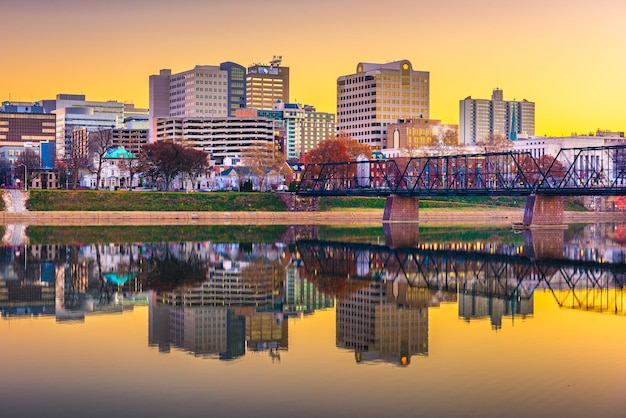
(481, 118)
(416, 135)
(25, 124)
(377, 95)
(298, 128)
(266, 84)
(73, 112)
(204, 91)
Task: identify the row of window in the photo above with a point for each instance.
(211, 75)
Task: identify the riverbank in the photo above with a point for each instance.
(496, 216)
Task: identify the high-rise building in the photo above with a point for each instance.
(266, 84)
(481, 118)
(378, 95)
(204, 91)
(301, 127)
(73, 111)
(236, 75)
(25, 124)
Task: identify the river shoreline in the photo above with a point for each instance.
(79, 218)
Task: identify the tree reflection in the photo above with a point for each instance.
(166, 271)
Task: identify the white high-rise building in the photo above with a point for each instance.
(74, 112)
(480, 118)
(204, 91)
(378, 95)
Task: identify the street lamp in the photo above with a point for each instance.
(25, 177)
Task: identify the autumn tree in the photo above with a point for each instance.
(535, 169)
(262, 158)
(354, 148)
(328, 151)
(100, 142)
(32, 161)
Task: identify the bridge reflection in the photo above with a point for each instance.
(382, 312)
(501, 271)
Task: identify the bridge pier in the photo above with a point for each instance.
(401, 235)
(401, 209)
(544, 244)
(542, 211)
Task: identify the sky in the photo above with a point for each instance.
(567, 56)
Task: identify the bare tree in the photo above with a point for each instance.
(32, 161)
(132, 165)
(195, 163)
(262, 158)
(100, 142)
(78, 158)
(496, 143)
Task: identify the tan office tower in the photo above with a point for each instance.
(266, 84)
(378, 95)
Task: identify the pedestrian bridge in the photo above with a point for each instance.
(596, 171)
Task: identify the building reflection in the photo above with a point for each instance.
(386, 321)
(242, 306)
(223, 300)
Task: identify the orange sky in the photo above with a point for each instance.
(568, 56)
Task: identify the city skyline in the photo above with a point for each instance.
(564, 56)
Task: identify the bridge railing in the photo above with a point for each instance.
(582, 171)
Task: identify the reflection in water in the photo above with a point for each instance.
(220, 300)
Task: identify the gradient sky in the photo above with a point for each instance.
(567, 56)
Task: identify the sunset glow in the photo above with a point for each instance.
(566, 56)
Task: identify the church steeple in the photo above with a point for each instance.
(513, 130)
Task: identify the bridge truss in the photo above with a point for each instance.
(597, 171)
(583, 285)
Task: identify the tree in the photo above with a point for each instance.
(261, 158)
(195, 163)
(100, 142)
(132, 166)
(495, 143)
(32, 161)
(78, 157)
(165, 160)
(532, 169)
(162, 160)
(353, 147)
(328, 151)
(448, 137)
(5, 172)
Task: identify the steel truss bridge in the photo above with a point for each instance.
(597, 171)
(585, 285)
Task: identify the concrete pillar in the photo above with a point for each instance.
(401, 235)
(543, 210)
(401, 209)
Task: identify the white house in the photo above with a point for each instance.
(115, 173)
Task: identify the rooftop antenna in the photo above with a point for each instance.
(276, 61)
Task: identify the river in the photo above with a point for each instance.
(313, 320)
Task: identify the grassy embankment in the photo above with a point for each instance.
(92, 200)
